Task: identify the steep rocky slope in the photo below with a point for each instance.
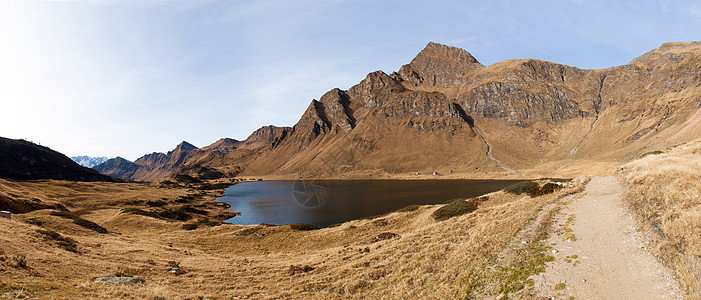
(23, 160)
(445, 112)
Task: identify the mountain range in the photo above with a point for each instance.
(88, 161)
(445, 112)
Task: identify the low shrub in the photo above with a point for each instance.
(547, 188)
(532, 188)
(303, 227)
(521, 187)
(556, 179)
(455, 208)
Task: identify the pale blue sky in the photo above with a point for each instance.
(121, 77)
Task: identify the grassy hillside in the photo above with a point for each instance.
(406, 254)
(664, 190)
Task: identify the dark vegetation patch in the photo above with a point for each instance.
(14, 204)
(532, 188)
(213, 186)
(303, 227)
(80, 221)
(66, 243)
(521, 187)
(556, 179)
(198, 224)
(409, 208)
(179, 214)
(156, 203)
(453, 209)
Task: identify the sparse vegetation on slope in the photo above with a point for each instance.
(404, 254)
(664, 190)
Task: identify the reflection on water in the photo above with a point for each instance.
(326, 202)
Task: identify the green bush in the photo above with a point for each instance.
(455, 208)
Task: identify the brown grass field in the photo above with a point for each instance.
(478, 254)
(664, 191)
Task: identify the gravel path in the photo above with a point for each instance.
(599, 254)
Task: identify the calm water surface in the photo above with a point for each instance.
(326, 202)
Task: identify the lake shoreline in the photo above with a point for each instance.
(326, 202)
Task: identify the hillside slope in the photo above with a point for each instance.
(23, 160)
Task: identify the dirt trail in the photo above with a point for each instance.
(599, 254)
(489, 150)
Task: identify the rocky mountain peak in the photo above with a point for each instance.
(265, 136)
(185, 146)
(439, 65)
(673, 51)
(440, 51)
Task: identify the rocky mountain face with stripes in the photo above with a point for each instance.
(447, 113)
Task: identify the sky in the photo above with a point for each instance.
(130, 77)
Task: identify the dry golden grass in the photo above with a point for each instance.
(428, 259)
(664, 190)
